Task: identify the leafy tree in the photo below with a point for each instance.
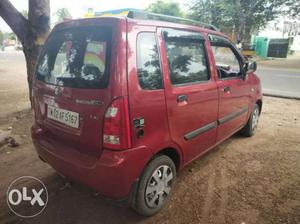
(63, 14)
(210, 11)
(163, 7)
(238, 17)
(294, 9)
(32, 32)
(12, 36)
(1, 37)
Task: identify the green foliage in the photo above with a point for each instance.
(62, 14)
(238, 18)
(1, 37)
(164, 7)
(294, 9)
(12, 36)
(215, 12)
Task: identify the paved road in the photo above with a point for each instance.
(280, 81)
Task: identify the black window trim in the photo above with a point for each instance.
(159, 58)
(205, 53)
(224, 42)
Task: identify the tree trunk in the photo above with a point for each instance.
(238, 21)
(31, 56)
(32, 32)
(247, 36)
(241, 27)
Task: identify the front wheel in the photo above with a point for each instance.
(155, 185)
(251, 126)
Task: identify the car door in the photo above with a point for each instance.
(146, 89)
(233, 87)
(190, 91)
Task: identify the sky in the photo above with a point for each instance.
(78, 7)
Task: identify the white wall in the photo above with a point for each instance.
(296, 43)
(281, 28)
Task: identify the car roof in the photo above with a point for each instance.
(140, 22)
(166, 24)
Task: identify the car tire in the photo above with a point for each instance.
(251, 126)
(155, 185)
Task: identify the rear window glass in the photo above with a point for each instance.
(77, 58)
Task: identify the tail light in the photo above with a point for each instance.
(116, 130)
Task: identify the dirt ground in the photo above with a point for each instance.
(13, 83)
(244, 180)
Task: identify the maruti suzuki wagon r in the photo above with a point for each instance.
(123, 103)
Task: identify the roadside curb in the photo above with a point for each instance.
(282, 96)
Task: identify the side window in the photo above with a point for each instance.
(226, 59)
(186, 57)
(148, 65)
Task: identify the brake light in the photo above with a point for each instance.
(116, 130)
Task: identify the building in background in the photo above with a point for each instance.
(283, 28)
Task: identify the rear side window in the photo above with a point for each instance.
(186, 57)
(148, 65)
(77, 58)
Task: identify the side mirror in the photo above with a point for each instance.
(223, 66)
(250, 67)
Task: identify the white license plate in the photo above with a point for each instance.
(67, 117)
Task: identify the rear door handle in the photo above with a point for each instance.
(182, 98)
(226, 89)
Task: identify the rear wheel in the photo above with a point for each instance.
(251, 126)
(155, 185)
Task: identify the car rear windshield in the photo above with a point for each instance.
(77, 57)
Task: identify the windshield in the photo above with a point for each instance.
(77, 57)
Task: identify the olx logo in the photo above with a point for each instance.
(27, 196)
(23, 196)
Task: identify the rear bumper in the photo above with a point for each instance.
(112, 175)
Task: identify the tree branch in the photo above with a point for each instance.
(14, 19)
(39, 20)
(39, 15)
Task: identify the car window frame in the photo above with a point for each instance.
(159, 58)
(224, 42)
(203, 40)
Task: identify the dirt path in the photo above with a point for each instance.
(244, 180)
(13, 83)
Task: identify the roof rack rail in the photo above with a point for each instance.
(140, 14)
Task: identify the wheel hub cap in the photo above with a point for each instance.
(158, 186)
(255, 117)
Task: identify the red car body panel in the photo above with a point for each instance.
(186, 116)
(79, 153)
(112, 174)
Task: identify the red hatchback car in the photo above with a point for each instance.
(122, 103)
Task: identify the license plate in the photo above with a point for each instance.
(66, 117)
